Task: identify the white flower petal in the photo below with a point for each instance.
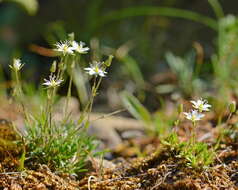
(79, 47)
(52, 82)
(201, 105)
(194, 115)
(95, 69)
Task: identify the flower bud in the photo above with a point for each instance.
(53, 67)
(61, 66)
(232, 107)
(176, 123)
(180, 108)
(108, 61)
(71, 36)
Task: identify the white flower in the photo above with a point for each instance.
(79, 47)
(64, 47)
(193, 115)
(201, 105)
(52, 82)
(95, 69)
(17, 65)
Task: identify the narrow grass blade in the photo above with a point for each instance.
(80, 83)
(133, 70)
(216, 6)
(151, 11)
(136, 108)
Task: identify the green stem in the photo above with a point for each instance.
(48, 122)
(94, 92)
(23, 156)
(17, 88)
(221, 132)
(68, 95)
(193, 140)
(88, 107)
(61, 71)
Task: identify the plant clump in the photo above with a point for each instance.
(62, 145)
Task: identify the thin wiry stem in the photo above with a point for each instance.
(68, 96)
(193, 133)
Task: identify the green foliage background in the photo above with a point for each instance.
(150, 27)
(152, 34)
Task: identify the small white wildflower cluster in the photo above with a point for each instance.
(16, 65)
(69, 47)
(196, 114)
(96, 69)
(78, 47)
(52, 82)
(201, 105)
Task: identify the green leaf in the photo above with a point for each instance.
(136, 108)
(151, 11)
(80, 84)
(31, 6)
(133, 70)
(217, 8)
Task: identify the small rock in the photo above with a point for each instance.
(15, 186)
(96, 163)
(131, 134)
(40, 186)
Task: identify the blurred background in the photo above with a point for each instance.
(163, 49)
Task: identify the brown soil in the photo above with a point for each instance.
(141, 163)
(161, 170)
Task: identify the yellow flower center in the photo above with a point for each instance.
(65, 48)
(96, 69)
(200, 107)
